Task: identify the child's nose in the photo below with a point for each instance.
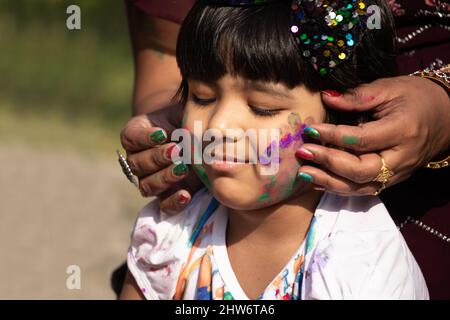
(227, 116)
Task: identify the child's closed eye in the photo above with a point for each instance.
(263, 112)
(202, 101)
(258, 111)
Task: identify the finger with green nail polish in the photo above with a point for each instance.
(312, 133)
(180, 169)
(158, 136)
(305, 177)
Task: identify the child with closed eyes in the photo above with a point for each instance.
(254, 233)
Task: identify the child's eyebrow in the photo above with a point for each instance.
(270, 89)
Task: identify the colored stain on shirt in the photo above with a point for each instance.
(211, 286)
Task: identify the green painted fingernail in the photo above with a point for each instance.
(305, 177)
(180, 170)
(158, 136)
(312, 133)
(349, 139)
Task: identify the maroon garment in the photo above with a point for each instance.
(423, 49)
(426, 195)
(172, 10)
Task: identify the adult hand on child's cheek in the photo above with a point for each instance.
(149, 158)
(411, 127)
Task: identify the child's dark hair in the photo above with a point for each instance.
(255, 42)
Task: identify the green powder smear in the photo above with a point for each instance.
(349, 140)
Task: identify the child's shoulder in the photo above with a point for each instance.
(359, 253)
(200, 201)
(355, 213)
(159, 243)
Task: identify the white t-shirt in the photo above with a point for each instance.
(352, 251)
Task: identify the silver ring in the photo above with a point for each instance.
(127, 170)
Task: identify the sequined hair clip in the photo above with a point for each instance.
(326, 32)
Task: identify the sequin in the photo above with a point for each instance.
(329, 30)
(301, 15)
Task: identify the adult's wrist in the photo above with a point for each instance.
(440, 76)
(441, 79)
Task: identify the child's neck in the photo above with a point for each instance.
(261, 242)
(285, 221)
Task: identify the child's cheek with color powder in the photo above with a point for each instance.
(199, 168)
(283, 183)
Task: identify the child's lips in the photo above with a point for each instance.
(226, 166)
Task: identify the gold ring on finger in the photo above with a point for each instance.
(385, 173)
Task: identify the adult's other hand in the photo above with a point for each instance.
(149, 155)
(411, 127)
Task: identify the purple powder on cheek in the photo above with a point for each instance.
(268, 151)
(298, 136)
(273, 145)
(264, 160)
(286, 141)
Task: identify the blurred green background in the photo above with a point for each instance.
(52, 74)
(64, 95)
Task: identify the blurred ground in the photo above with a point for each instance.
(63, 98)
(61, 206)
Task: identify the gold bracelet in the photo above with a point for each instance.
(438, 164)
(442, 77)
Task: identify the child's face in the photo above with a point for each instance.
(270, 118)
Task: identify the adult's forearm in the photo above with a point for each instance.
(157, 76)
